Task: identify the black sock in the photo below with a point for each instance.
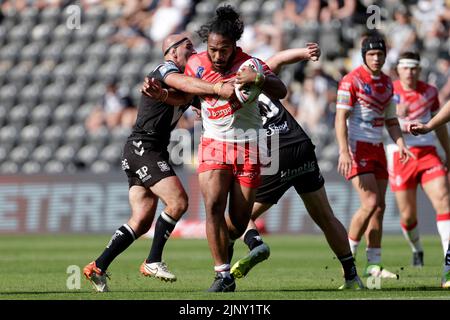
(122, 238)
(348, 264)
(230, 250)
(252, 239)
(163, 228)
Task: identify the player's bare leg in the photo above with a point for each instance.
(407, 205)
(259, 251)
(214, 185)
(367, 188)
(368, 220)
(321, 212)
(143, 206)
(373, 235)
(172, 193)
(437, 191)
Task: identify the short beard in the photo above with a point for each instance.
(227, 66)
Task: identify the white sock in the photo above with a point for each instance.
(224, 270)
(353, 246)
(411, 234)
(443, 226)
(447, 260)
(373, 255)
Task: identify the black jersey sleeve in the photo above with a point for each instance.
(163, 70)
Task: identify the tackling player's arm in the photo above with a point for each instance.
(199, 87)
(152, 88)
(310, 52)
(393, 127)
(441, 132)
(442, 117)
(442, 135)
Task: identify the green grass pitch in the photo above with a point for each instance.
(300, 267)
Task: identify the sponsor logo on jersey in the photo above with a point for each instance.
(200, 71)
(125, 164)
(363, 162)
(345, 85)
(163, 166)
(168, 67)
(139, 152)
(280, 129)
(396, 98)
(143, 173)
(367, 89)
(250, 175)
(222, 111)
(377, 122)
(343, 97)
(434, 169)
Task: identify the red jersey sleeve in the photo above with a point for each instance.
(193, 67)
(346, 95)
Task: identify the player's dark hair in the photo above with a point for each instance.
(409, 55)
(227, 23)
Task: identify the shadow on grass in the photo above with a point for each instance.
(77, 292)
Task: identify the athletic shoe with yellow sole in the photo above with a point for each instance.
(446, 280)
(354, 284)
(241, 268)
(96, 276)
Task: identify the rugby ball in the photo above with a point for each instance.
(249, 92)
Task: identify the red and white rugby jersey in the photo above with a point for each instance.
(370, 100)
(418, 105)
(222, 119)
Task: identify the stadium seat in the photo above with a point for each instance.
(95, 13)
(74, 51)
(100, 166)
(65, 153)
(104, 31)
(43, 153)
(98, 138)
(30, 94)
(41, 32)
(112, 153)
(87, 154)
(30, 134)
(52, 14)
(31, 167)
(75, 133)
(53, 133)
(20, 33)
(18, 115)
(53, 167)
(9, 167)
(29, 15)
(41, 114)
(8, 134)
(20, 153)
